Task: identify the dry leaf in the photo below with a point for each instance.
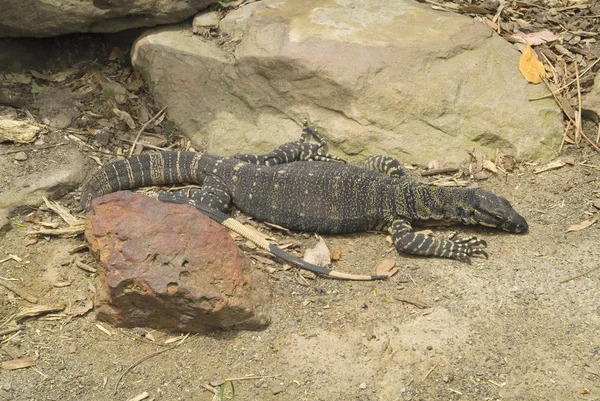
(125, 117)
(534, 38)
(387, 267)
(18, 363)
(531, 67)
(550, 166)
(319, 255)
(18, 131)
(490, 166)
(81, 309)
(117, 53)
(584, 224)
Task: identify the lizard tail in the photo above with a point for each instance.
(146, 170)
(261, 242)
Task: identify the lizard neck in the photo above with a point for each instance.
(428, 204)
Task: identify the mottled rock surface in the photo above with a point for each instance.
(40, 18)
(170, 267)
(394, 78)
(35, 177)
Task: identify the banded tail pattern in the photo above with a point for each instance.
(146, 170)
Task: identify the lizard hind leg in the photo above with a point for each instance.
(406, 240)
(300, 150)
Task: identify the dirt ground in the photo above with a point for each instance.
(522, 325)
(503, 328)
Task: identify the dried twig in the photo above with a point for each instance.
(578, 129)
(37, 148)
(143, 128)
(61, 232)
(579, 275)
(565, 86)
(583, 135)
(10, 330)
(444, 170)
(85, 267)
(63, 212)
(418, 304)
(142, 359)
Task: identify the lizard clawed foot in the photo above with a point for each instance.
(467, 247)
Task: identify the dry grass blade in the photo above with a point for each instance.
(418, 304)
(553, 165)
(37, 311)
(18, 363)
(142, 359)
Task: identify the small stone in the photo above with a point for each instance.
(362, 386)
(336, 254)
(278, 389)
(21, 156)
(596, 204)
(429, 348)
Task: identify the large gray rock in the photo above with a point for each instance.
(392, 78)
(40, 18)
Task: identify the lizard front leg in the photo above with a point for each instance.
(384, 164)
(213, 195)
(406, 240)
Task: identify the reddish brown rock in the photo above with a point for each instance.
(170, 267)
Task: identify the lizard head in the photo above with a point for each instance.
(487, 209)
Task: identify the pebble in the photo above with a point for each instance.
(362, 386)
(278, 389)
(21, 156)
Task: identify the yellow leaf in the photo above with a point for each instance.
(531, 67)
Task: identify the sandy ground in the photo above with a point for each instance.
(513, 327)
(503, 328)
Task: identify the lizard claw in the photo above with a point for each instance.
(469, 246)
